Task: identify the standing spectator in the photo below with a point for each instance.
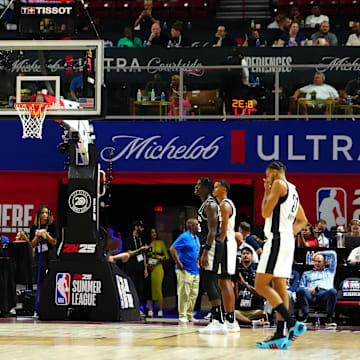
(321, 231)
(178, 39)
(146, 19)
(324, 37)
(307, 237)
(245, 229)
(157, 37)
(252, 38)
(292, 38)
(129, 40)
(43, 237)
(136, 267)
(155, 258)
(222, 38)
(185, 251)
(354, 39)
(317, 286)
(249, 303)
(316, 18)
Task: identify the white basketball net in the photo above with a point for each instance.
(32, 116)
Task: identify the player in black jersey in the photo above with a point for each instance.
(211, 253)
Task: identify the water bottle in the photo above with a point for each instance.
(152, 95)
(257, 42)
(138, 95)
(169, 45)
(306, 43)
(307, 257)
(189, 25)
(348, 100)
(162, 96)
(339, 237)
(291, 43)
(257, 81)
(252, 24)
(311, 257)
(145, 43)
(11, 101)
(302, 24)
(165, 26)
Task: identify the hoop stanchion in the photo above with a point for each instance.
(32, 116)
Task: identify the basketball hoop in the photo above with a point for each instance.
(32, 115)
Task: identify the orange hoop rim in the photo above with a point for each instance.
(35, 109)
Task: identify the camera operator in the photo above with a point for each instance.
(136, 266)
(43, 235)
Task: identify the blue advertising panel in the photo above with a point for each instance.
(233, 146)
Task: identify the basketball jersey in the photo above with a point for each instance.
(202, 219)
(230, 231)
(284, 213)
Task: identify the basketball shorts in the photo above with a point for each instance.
(215, 255)
(228, 262)
(278, 255)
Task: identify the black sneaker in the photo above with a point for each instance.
(330, 322)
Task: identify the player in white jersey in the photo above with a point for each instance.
(228, 263)
(284, 217)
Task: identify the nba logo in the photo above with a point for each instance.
(331, 206)
(62, 289)
(346, 285)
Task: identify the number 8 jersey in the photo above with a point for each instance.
(284, 213)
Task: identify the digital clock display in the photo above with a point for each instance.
(242, 104)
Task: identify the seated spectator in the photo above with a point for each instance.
(76, 87)
(276, 22)
(318, 88)
(352, 89)
(354, 39)
(222, 38)
(249, 303)
(295, 15)
(317, 286)
(292, 285)
(354, 256)
(306, 237)
(324, 37)
(255, 257)
(320, 231)
(252, 38)
(129, 40)
(284, 26)
(292, 38)
(158, 85)
(22, 236)
(354, 227)
(316, 18)
(245, 229)
(157, 37)
(146, 19)
(178, 39)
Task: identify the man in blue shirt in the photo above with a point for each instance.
(317, 286)
(185, 251)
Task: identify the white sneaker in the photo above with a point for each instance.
(257, 323)
(183, 320)
(232, 326)
(160, 313)
(208, 316)
(150, 313)
(215, 327)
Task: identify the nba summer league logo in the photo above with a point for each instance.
(331, 206)
(62, 289)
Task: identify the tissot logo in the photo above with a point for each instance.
(46, 10)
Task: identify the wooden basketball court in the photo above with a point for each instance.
(33, 339)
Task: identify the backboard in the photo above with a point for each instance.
(67, 74)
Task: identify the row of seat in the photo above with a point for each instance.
(329, 7)
(164, 9)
